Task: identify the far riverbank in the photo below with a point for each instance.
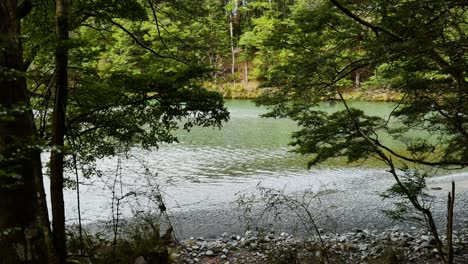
(250, 90)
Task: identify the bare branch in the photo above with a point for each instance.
(157, 24)
(361, 21)
(141, 44)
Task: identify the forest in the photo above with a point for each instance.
(82, 81)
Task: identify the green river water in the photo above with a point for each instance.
(210, 167)
(262, 143)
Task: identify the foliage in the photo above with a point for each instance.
(334, 135)
(415, 48)
(136, 74)
(415, 183)
(142, 241)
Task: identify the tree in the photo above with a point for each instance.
(155, 89)
(24, 227)
(418, 49)
(59, 129)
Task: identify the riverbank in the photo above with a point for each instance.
(357, 246)
(351, 222)
(250, 90)
(349, 217)
(339, 206)
(338, 200)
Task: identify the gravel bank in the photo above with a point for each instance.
(339, 209)
(358, 246)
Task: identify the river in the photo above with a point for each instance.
(209, 168)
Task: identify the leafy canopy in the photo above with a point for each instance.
(416, 48)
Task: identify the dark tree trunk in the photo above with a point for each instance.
(24, 225)
(58, 130)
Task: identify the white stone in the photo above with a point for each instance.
(140, 260)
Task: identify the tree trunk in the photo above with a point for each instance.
(233, 54)
(24, 228)
(246, 71)
(450, 205)
(357, 80)
(58, 130)
(233, 49)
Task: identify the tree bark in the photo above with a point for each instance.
(357, 80)
(246, 71)
(24, 228)
(450, 205)
(233, 50)
(58, 130)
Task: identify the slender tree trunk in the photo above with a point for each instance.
(357, 80)
(24, 229)
(233, 50)
(246, 71)
(450, 204)
(58, 130)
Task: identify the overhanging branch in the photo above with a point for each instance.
(141, 44)
(365, 23)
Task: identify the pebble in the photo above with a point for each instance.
(359, 245)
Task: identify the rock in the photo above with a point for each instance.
(360, 235)
(205, 245)
(376, 250)
(342, 239)
(232, 244)
(427, 238)
(140, 260)
(416, 245)
(426, 244)
(363, 247)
